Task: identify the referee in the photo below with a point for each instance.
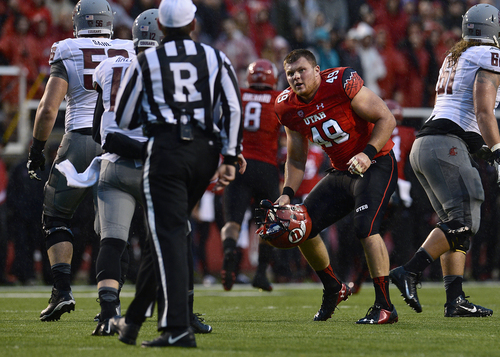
(190, 106)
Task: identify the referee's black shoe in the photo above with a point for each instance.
(173, 339)
(407, 283)
(197, 324)
(127, 332)
(461, 307)
(60, 302)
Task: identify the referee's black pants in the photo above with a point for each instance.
(176, 174)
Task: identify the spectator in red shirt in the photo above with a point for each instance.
(37, 8)
(20, 48)
(390, 85)
(394, 18)
(261, 29)
(419, 81)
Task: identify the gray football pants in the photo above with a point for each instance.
(443, 166)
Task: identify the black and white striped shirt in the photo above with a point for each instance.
(182, 75)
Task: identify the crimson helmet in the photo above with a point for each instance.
(262, 74)
(283, 227)
(395, 109)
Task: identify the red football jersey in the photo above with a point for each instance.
(403, 138)
(328, 120)
(261, 127)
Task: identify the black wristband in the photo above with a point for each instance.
(287, 190)
(370, 151)
(38, 144)
(230, 160)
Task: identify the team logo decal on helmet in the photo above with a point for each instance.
(283, 227)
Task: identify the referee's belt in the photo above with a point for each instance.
(152, 129)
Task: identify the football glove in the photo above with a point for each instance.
(36, 159)
(123, 145)
(486, 154)
(492, 158)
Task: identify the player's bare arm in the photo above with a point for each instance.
(296, 157)
(372, 108)
(484, 94)
(48, 108)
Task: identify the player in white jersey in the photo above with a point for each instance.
(462, 121)
(119, 186)
(72, 64)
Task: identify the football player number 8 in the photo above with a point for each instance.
(252, 116)
(332, 131)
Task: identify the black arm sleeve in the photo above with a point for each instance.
(99, 109)
(57, 69)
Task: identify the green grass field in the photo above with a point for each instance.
(247, 322)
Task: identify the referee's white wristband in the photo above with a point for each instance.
(495, 147)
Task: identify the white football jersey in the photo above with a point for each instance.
(108, 75)
(454, 100)
(80, 57)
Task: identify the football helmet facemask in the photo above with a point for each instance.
(262, 74)
(481, 23)
(145, 30)
(283, 227)
(92, 17)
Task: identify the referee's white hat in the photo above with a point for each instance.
(176, 13)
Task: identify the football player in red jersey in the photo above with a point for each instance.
(261, 178)
(353, 125)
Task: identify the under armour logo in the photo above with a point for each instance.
(453, 151)
(320, 106)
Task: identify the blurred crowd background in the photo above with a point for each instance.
(397, 46)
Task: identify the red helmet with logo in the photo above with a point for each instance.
(283, 227)
(262, 74)
(395, 109)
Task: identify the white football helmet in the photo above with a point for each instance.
(481, 23)
(92, 17)
(145, 30)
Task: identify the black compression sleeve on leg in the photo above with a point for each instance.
(108, 261)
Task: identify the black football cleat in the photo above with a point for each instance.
(260, 281)
(103, 329)
(407, 285)
(330, 302)
(228, 273)
(378, 316)
(59, 303)
(169, 339)
(461, 307)
(127, 332)
(197, 324)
